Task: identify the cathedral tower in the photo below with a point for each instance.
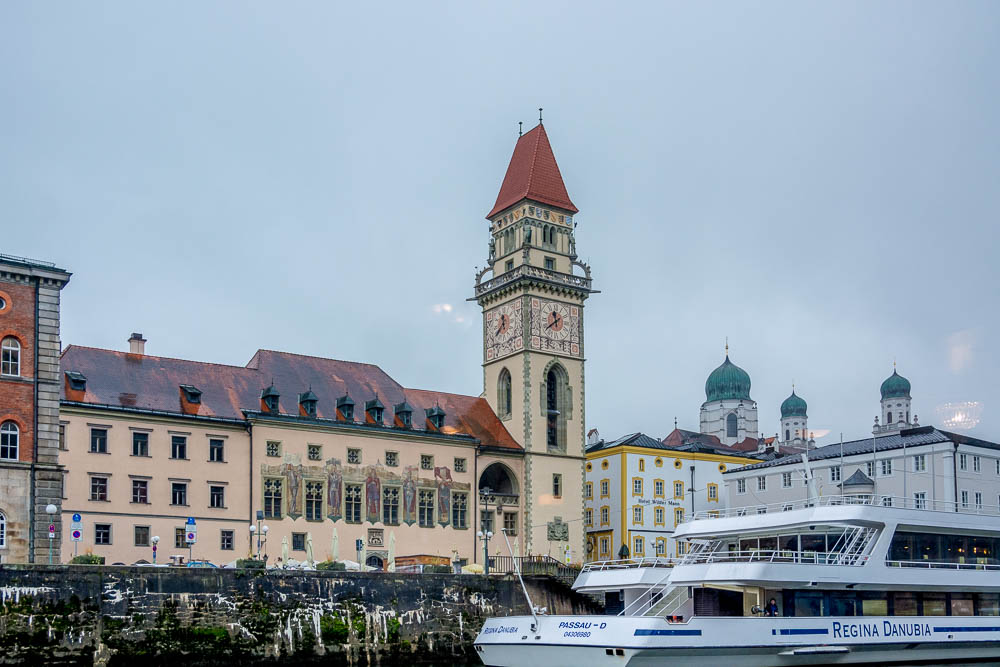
(533, 349)
(728, 411)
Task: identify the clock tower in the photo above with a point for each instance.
(532, 293)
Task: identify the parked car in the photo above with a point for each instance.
(201, 563)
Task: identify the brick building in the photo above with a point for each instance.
(30, 475)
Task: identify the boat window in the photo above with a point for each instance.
(904, 604)
(989, 604)
(843, 604)
(935, 604)
(874, 603)
(961, 604)
(806, 603)
(944, 549)
(788, 542)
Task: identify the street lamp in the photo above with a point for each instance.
(155, 540)
(253, 531)
(485, 523)
(264, 530)
(51, 510)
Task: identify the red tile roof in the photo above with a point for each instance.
(533, 174)
(147, 382)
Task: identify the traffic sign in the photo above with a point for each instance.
(76, 536)
(190, 521)
(77, 518)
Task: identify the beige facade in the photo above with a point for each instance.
(132, 477)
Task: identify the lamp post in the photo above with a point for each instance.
(155, 540)
(51, 510)
(260, 531)
(485, 533)
(253, 531)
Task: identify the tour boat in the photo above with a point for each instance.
(856, 580)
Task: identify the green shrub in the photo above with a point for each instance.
(250, 563)
(335, 566)
(438, 569)
(87, 559)
(333, 630)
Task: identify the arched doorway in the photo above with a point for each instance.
(498, 496)
(498, 479)
(375, 562)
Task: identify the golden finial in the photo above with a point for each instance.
(727, 346)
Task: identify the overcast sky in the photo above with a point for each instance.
(818, 182)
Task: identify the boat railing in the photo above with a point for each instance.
(776, 556)
(628, 563)
(923, 564)
(635, 608)
(895, 502)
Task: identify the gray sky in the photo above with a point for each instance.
(816, 181)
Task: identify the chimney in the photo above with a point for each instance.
(136, 344)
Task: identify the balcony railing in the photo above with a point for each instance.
(498, 499)
(528, 271)
(893, 502)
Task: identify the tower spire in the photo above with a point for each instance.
(539, 115)
(727, 346)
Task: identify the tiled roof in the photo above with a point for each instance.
(140, 381)
(857, 479)
(533, 174)
(632, 440)
(912, 437)
(684, 440)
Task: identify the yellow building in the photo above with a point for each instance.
(638, 489)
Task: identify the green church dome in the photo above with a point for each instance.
(895, 386)
(727, 381)
(793, 406)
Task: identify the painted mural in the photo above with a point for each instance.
(372, 480)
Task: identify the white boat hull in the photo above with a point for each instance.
(636, 641)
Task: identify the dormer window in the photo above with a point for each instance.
(270, 399)
(404, 414)
(345, 408)
(191, 393)
(307, 404)
(435, 416)
(373, 411)
(77, 380)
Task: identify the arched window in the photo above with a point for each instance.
(9, 437)
(503, 394)
(10, 356)
(731, 426)
(556, 390)
(787, 435)
(3, 530)
(888, 418)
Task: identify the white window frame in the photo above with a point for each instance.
(964, 495)
(920, 500)
(885, 468)
(786, 480)
(10, 368)
(741, 486)
(762, 483)
(10, 430)
(977, 464)
(835, 474)
(963, 462)
(919, 463)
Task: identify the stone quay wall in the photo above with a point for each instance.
(97, 615)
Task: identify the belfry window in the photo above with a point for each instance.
(731, 426)
(787, 435)
(888, 418)
(556, 393)
(504, 393)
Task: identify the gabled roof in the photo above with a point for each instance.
(908, 437)
(533, 174)
(857, 479)
(693, 441)
(124, 380)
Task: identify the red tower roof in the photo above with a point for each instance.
(533, 174)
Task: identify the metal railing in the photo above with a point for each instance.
(528, 271)
(933, 565)
(891, 502)
(629, 563)
(534, 565)
(671, 602)
(775, 556)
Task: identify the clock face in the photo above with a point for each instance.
(555, 326)
(504, 330)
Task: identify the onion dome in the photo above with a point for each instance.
(793, 406)
(727, 381)
(895, 386)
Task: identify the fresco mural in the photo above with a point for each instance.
(372, 479)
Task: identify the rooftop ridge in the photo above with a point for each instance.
(153, 356)
(313, 356)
